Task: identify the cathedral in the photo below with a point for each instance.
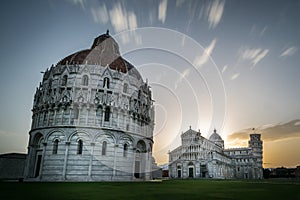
(92, 119)
(199, 157)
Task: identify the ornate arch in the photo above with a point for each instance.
(48, 135)
(37, 139)
(106, 136)
(85, 136)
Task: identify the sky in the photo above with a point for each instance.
(230, 65)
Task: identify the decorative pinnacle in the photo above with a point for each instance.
(107, 32)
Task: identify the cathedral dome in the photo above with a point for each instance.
(215, 136)
(217, 139)
(104, 52)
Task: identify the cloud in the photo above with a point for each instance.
(260, 56)
(183, 75)
(132, 20)
(162, 10)
(269, 132)
(263, 31)
(224, 68)
(152, 14)
(179, 3)
(118, 18)
(297, 123)
(215, 12)
(100, 14)
(234, 76)
(79, 2)
(289, 51)
(254, 55)
(202, 59)
(258, 32)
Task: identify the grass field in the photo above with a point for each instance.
(169, 189)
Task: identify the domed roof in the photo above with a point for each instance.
(215, 136)
(104, 51)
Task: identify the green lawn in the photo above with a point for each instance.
(169, 189)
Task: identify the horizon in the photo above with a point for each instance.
(211, 64)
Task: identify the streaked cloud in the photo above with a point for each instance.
(162, 10)
(121, 19)
(258, 31)
(269, 132)
(202, 59)
(152, 15)
(179, 3)
(79, 2)
(100, 14)
(132, 20)
(254, 55)
(183, 75)
(263, 30)
(234, 76)
(289, 51)
(224, 68)
(215, 12)
(260, 56)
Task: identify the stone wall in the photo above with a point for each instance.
(12, 166)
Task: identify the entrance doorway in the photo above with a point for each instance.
(179, 173)
(191, 172)
(140, 162)
(137, 169)
(38, 165)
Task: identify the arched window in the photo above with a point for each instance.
(55, 146)
(76, 113)
(125, 88)
(107, 114)
(125, 150)
(85, 80)
(45, 118)
(99, 111)
(64, 80)
(79, 147)
(104, 146)
(106, 82)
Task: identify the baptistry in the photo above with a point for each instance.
(92, 119)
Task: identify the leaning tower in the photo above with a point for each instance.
(256, 145)
(92, 119)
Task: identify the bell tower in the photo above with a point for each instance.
(255, 143)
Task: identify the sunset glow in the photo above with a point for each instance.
(229, 65)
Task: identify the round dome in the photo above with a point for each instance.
(104, 52)
(215, 136)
